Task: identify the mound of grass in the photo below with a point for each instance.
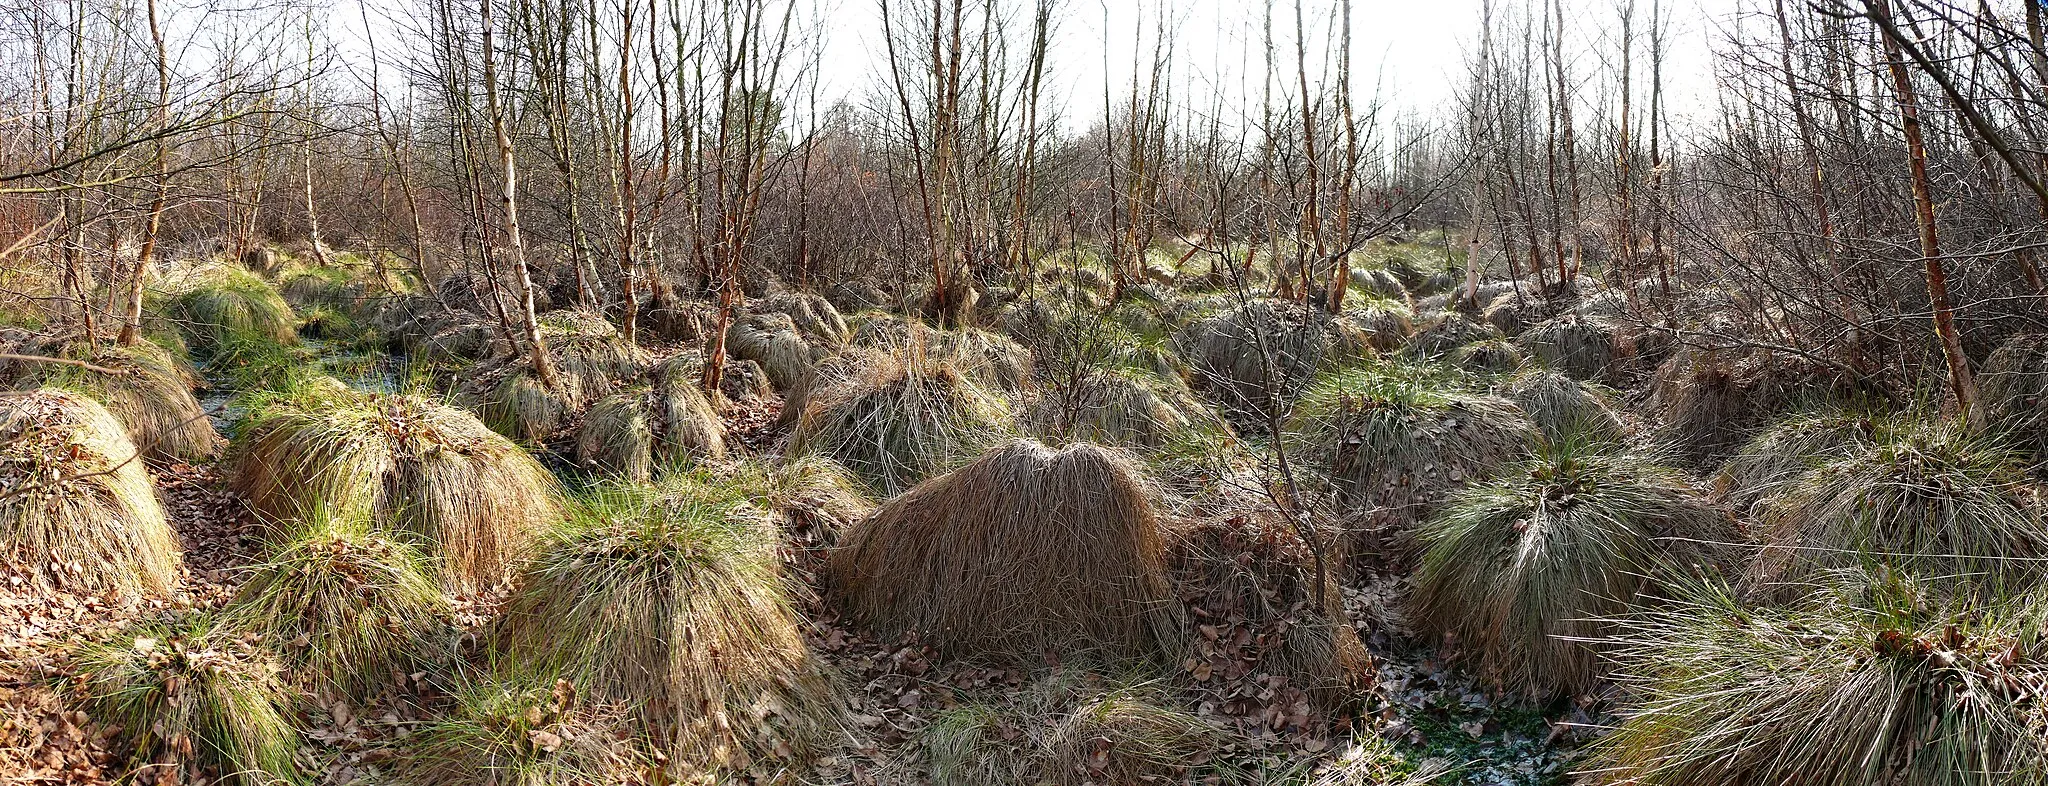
(2014, 383)
(348, 607)
(670, 601)
(1862, 682)
(1069, 730)
(1120, 407)
(520, 732)
(1586, 349)
(329, 287)
(229, 305)
(1393, 438)
(1784, 453)
(1378, 282)
(633, 432)
(468, 497)
(900, 420)
(195, 702)
(79, 512)
(1709, 401)
(772, 340)
(152, 396)
(1517, 569)
(1370, 327)
(590, 359)
(1070, 537)
(814, 316)
(1254, 359)
(1492, 356)
(1564, 408)
(1443, 332)
(1925, 498)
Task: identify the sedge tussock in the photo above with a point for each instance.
(669, 600)
(812, 315)
(1026, 551)
(1564, 408)
(1866, 680)
(1491, 356)
(193, 697)
(1586, 349)
(1120, 407)
(465, 495)
(1070, 729)
(1784, 453)
(635, 431)
(900, 420)
(1394, 438)
(1516, 570)
(2015, 390)
(152, 397)
(79, 511)
(228, 305)
(1926, 498)
(1443, 332)
(347, 606)
(1256, 357)
(772, 340)
(518, 731)
(590, 359)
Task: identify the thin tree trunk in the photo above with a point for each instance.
(536, 347)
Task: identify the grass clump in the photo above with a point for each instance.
(1255, 358)
(639, 429)
(229, 305)
(1866, 680)
(1586, 349)
(152, 396)
(347, 606)
(468, 497)
(773, 340)
(1120, 407)
(590, 359)
(1516, 569)
(1491, 356)
(1784, 453)
(1564, 408)
(1393, 438)
(79, 512)
(900, 420)
(1070, 729)
(1443, 332)
(1026, 551)
(520, 732)
(669, 600)
(1926, 498)
(193, 697)
(2015, 390)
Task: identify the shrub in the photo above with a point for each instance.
(1925, 498)
(80, 512)
(195, 698)
(1516, 569)
(347, 605)
(470, 498)
(1070, 537)
(1861, 682)
(670, 601)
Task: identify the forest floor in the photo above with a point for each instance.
(1419, 716)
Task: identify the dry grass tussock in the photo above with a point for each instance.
(1442, 332)
(900, 420)
(348, 607)
(1562, 407)
(1519, 569)
(1866, 680)
(669, 600)
(773, 340)
(1121, 407)
(1709, 401)
(152, 397)
(1394, 438)
(519, 732)
(2015, 391)
(196, 703)
(1024, 552)
(1372, 327)
(636, 431)
(1228, 354)
(590, 359)
(814, 316)
(1070, 729)
(1251, 579)
(1926, 498)
(79, 511)
(1492, 356)
(224, 305)
(1784, 453)
(990, 359)
(470, 498)
(1586, 349)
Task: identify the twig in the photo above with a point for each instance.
(69, 362)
